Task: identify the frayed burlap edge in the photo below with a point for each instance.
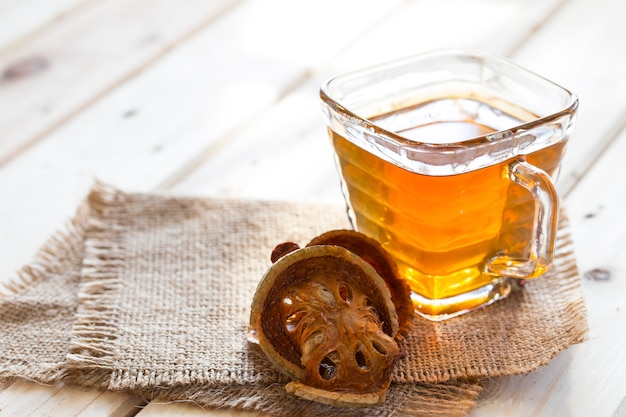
(91, 358)
(65, 246)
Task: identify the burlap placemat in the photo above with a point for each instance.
(150, 294)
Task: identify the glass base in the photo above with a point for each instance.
(446, 308)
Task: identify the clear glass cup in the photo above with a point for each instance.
(449, 160)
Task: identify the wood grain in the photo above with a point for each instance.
(84, 56)
(22, 19)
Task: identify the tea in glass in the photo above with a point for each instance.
(448, 159)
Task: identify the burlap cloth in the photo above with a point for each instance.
(150, 294)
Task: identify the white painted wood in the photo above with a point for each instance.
(494, 26)
(24, 398)
(153, 125)
(69, 401)
(107, 404)
(286, 154)
(76, 60)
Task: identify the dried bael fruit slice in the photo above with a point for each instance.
(372, 252)
(325, 317)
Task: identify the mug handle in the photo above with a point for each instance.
(539, 183)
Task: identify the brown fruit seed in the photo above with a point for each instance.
(283, 249)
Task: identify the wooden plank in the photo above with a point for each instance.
(20, 19)
(285, 155)
(589, 379)
(111, 404)
(24, 398)
(424, 25)
(76, 60)
(69, 401)
(81, 401)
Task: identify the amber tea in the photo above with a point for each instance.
(440, 229)
(453, 177)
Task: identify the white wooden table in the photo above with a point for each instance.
(219, 98)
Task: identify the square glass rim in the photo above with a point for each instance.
(541, 112)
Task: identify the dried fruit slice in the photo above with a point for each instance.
(325, 317)
(372, 252)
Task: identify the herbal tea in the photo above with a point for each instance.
(440, 229)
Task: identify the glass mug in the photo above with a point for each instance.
(448, 159)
